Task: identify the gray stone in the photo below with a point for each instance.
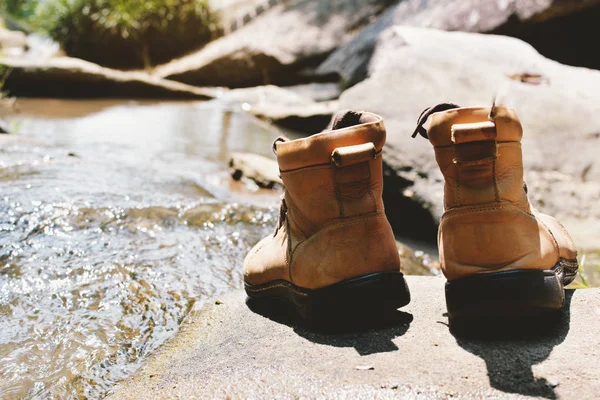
(70, 77)
(559, 106)
(522, 18)
(228, 351)
(283, 107)
(276, 45)
(260, 169)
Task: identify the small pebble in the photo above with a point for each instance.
(218, 302)
(553, 383)
(364, 367)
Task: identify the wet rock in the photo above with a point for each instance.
(262, 170)
(283, 107)
(229, 351)
(276, 46)
(72, 78)
(569, 24)
(414, 68)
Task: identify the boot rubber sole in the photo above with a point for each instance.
(510, 293)
(368, 294)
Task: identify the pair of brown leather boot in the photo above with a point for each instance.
(333, 251)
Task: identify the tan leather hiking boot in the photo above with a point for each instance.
(499, 254)
(333, 250)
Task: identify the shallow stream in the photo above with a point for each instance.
(116, 218)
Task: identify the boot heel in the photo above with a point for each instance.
(505, 294)
(367, 295)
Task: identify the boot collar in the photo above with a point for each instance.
(318, 149)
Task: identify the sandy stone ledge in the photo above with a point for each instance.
(228, 351)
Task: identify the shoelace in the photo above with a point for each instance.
(283, 205)
(282, 214)
(420, 129)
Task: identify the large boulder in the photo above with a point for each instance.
(560, 29)
(72, 78)
(277, 45)
(559, 106)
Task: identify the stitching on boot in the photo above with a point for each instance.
(302, 169)
(457, 180)
(288, 253)
(566, 233)
(496, 188)
(338, 195)
(257, 290)
(481, 208)
(457, 188)
(352, 184)
(554, 241)
(372, 197)
(297, 225)
(312, 226)
(371, 188)
(509, 144)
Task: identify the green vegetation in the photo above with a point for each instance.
(120, 33)
(18, 9)
(588, 274)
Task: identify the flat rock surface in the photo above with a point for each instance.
(228, 351)
(70, 77)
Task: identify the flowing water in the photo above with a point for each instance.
(116, 218)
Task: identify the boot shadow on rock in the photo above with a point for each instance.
(510, 346)
(368, 334)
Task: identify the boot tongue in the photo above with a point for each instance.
(348, 118)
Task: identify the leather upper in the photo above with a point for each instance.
(334, 227)
(489, 224)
